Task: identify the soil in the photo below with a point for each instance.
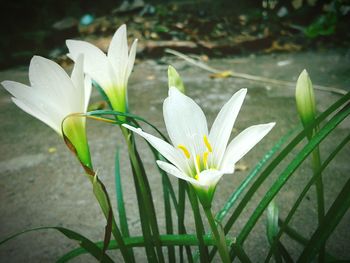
(41, 183)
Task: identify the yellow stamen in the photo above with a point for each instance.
(198, 163)
(184, 149)
(196, 177)
(206, 142)
(205, 159)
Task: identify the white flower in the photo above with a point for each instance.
(110, 72)
(53, 96)
(198, 156)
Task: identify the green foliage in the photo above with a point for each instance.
(283, 159)
(324, 25)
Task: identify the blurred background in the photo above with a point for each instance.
(41, 183)
(213, 28)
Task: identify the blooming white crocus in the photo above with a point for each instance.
(53, 96)
(198, 156)
(111, 72)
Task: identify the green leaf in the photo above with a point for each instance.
(203, 250)
(240, 189)
(120, 202)
(168, 218)
(284, 226)
(181, 218)
(280, 157)
(139, 241)
(145, 198)
(134, 117)
(86, 244)
(120, 199)
(240, 253)
(102, 197)
(252, 190)
(289, 170)
(338, 209)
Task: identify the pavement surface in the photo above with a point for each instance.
(41, 183)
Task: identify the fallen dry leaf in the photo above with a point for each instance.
(221, 75)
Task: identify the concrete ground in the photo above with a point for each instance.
(41, 183)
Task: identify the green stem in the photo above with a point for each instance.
(203, 250)
(145, 190)
(102, 197)
(219, 238)
(316, 166)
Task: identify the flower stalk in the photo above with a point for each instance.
(306, 106)
(145, 191)
(219, 236)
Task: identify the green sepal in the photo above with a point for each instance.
(205, 195)
(74, 134)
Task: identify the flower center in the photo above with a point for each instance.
(200, 160)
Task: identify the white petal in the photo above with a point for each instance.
(96, 63)
(131, 59)
(243, 143)
(164, 148)
(51, 119)
(118, 53)
(171, 169)
(185, 121)
(36, 104)
(52, 81)
(223, 124)
(209, 178)
(21, 91)
(77, 77)
(87, 92)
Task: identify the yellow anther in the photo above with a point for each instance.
(184, 149)
(196, 177)
(198, 162)
(206, 142)
(205, 159)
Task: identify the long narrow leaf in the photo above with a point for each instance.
(339, 207)
(285, 175)
(146, 231)
(120, 199)
(277, 160)
(179, 206)
(168, 218)
(103, 199)
(240, 253)
(181, 218)
(145, 190)
(267, 157)
(139, 241)
(124, 114)
(284, 225)
(240, 189)
(86, 244)
(120, 202)
(204, 254)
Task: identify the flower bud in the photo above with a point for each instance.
(305, 99)
(175, 80)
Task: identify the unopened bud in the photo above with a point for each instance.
(305, 99)
(174, 79)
